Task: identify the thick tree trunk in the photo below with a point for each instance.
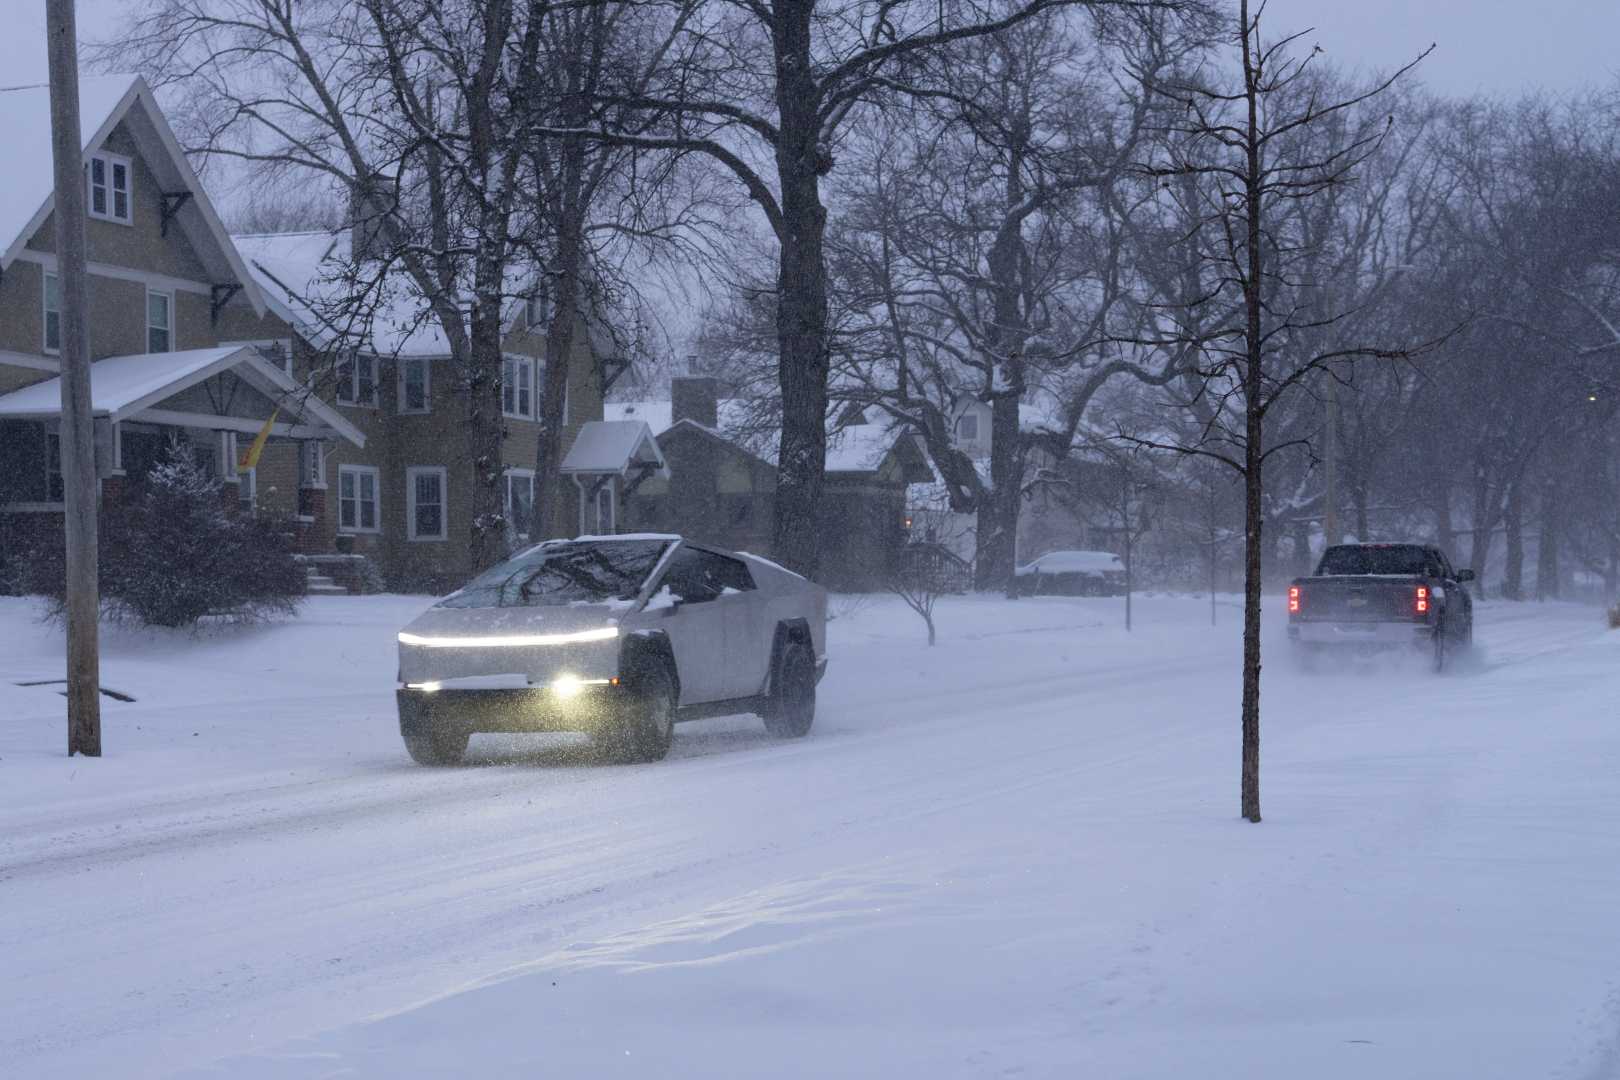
(1444, 532)
(567, 293)
(1486, 512)
(485, 431)
(1513, 572)
(1358, 495)
(801, 312)
(997, 539)
(1548, 585)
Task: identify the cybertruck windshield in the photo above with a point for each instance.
(562, 573)
(1395, 559)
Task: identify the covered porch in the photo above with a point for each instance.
(209, 404)
(607, 462)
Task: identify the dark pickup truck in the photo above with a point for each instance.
(1369, 597)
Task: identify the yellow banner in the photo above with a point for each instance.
(250, 456)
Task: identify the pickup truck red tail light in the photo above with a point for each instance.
(1422, 606)
(1293, 599)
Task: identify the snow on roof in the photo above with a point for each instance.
(305, 274)
(121, 382)
(122, 386)
(27, 182)
(613, 446)
(1075, 562)
(853, 449)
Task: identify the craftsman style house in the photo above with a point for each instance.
(199, 340)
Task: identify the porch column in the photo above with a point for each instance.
(314, 524)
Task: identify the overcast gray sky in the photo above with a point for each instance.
(1496, 45)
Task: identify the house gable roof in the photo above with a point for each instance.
(613, 447)
(27, 184)
(121, 387)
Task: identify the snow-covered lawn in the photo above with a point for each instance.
(1015, 853)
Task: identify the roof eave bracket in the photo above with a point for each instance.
(172, 202)
(221, 295)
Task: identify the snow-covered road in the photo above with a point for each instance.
(1017, 852)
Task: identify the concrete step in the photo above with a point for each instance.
(321, 585)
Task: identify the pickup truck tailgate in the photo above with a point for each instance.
(1357, 599)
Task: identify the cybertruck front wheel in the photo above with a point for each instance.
(643, 721)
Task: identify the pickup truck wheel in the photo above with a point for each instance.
(792, 707)
(645, 722)
(437, 748)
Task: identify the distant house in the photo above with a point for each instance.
(404, 499)
(721, 486)
(199, 339)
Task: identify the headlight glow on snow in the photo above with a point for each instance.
(425, 687)
(509, 641)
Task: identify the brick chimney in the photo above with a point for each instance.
(695, 398)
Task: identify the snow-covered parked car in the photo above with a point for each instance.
(617, 636)
(1072, 573)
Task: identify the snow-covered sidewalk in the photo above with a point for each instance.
(1017, 852)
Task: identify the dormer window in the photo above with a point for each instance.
(110, 187)
(967, 427)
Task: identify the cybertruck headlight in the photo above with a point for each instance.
(508, 641)
(569, 686)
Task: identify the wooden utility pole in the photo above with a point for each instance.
(78, 435)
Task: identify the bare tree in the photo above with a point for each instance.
(1242, 168)
(767, 92)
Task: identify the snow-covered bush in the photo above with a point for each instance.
(173, 553)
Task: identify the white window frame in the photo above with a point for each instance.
(411, 473)
(168, 297)
(350, 383)
(357, 471)
(405, 363)
(511, 386)
(506, 495)
(110, 192)
(45, 313)
(312, 465)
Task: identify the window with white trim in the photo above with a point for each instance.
(359, 502)
(520, 503)
(357, 380)
(425, 497)
(534, 311)
(517, 387)
(414, 389)
(159, 321)
(109, 177)
(53, 313)
(967, 426)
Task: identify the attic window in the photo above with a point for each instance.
(110, 187)
(967, 426)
